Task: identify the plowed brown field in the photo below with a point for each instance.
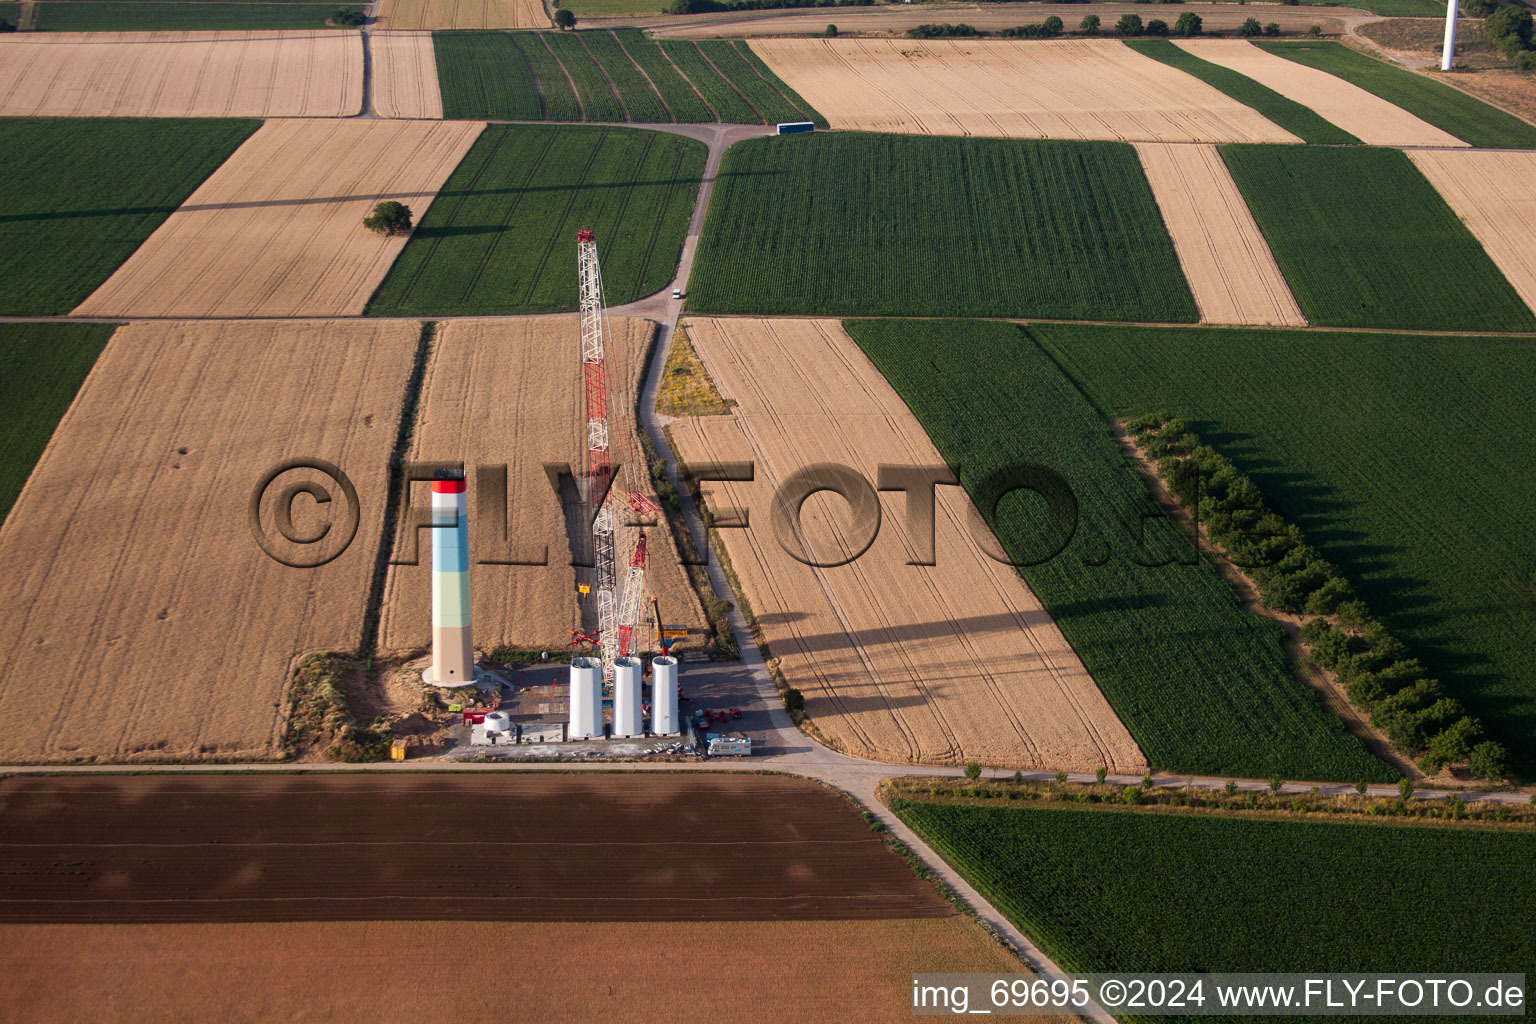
(1364, 115)
(405, 75)
(181, 74)
(1066, 89)
(138, 618)
(531, 847)
(398, 14)
(278, 229)
(509, 392)
(904, 663)
(1495, 194)
(1230, 269)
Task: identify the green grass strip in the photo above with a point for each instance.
(1303, 122)
(682, 100)
(41, 368)
(554, 88)
(804, 109)
(1450, 110)
(640, 100)
(728, 104)
(83, 193)
(180, 17)
(484, 75)
(1364, 240)
(598, 100)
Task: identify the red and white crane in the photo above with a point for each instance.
(616, 619)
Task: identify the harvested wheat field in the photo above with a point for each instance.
(181, 74)
(898, 662)
(278, 229)
(1494, 193)
(1067, 89)
(405, 75)
(509, 392)
(1364, 115)
(440, 14)
(859, 971)
(1225, 259)
(139, 619)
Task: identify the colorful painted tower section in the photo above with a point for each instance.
(453, 653)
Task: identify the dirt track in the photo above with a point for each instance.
(538, 847)
(139, 620)
(1225, 259)
(509, 392)
(1064, 89)
(1495, 194)
(405, 75)
(897, 662)
(440, 14)
(278, 229)
(181, 74)
(1364, 115)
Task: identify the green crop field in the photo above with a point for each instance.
(41, 368)
(555, 93)
(1364, 240)
(1394, 454)
(1203, 685)
(1120, 890)
(501, 235)
(484, 74)
(83, 193)
(854, 224)
(640, 101)
(770, 104)
(121, 16)
(682, 99)
(1448, 109)
(726, 101)
(598, 101)
(803, 110)
(1303, 122)
(9, 13)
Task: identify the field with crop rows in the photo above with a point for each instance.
(1202, 685)
(1118, 890)
(682, 99)
(722, 96)
(771, 105)
(854, 224)
(498, 237)
(41, 368)
(83, 193)
(1448, 109)
(484, 74)
(1301, 121)
(120, 16)
(641, 103)
(596, 96)
(1394, 456)
(1365, 241)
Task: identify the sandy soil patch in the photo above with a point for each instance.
(139, 619)
(405, 75)
(181, 74)
(278, 229)
(1228, 264)
(1364, 115)
(1068, 89)
(398, 14)
(905, 663)
(509, 392)
(1494, 192)
(478, 972)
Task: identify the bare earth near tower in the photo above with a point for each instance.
(931, 665)
(509, 392)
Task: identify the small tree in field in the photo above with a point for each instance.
(1189, 24)
(1157, 27)
(1316, 31)
(349, 16)
(1089, 24)
(1361, 787)
(831, 32)
(389, 218)
(565, 19)
(1100, 774)
(1250, 28)
(1272, 29)
(1405, 789)
(1129, 25)
(972, 770)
